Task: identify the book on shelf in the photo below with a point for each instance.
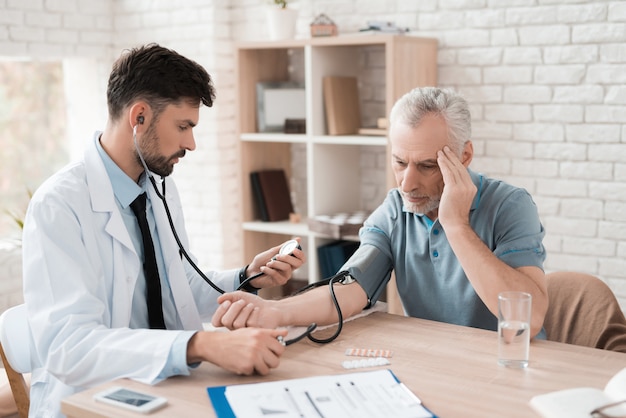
(271, 193)
(373, 131)
(341, 101)
(579, 402)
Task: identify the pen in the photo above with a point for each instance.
(293, 402)
(313, 403)
(345, 395)
(357, 390)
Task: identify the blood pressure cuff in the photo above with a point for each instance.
(371, 268)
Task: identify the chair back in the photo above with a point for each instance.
(584, 311)
(15, 351)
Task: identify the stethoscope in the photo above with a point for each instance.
(286, 249)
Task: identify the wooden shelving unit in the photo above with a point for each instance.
(332, 171)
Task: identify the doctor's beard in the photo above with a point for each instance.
(158, 164)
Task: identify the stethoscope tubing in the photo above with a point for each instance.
(334, 279)
(331, 281)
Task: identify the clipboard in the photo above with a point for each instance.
(328, 396)
(217, 395)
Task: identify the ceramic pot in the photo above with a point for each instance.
(281, 23)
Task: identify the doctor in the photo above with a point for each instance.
(84, 284)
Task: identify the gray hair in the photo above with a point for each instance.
(411, 108)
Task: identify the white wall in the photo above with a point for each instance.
(208, 177)
(99, 31)
(91, 34)
(545, 78)
(80, 31)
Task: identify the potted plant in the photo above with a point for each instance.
(11, 262)
(281, 20)
(18, 216)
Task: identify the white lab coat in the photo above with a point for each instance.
(80, 268)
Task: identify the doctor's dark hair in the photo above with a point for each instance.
(411, 108)
(158, 75)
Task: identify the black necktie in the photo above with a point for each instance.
(151, 271)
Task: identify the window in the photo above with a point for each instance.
(33, 140)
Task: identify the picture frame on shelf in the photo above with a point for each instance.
(277, 102)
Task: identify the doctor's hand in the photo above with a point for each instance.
(276, 268)
(241, 309)
(458, 190)
(244, 351)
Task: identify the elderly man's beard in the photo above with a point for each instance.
(431, 204)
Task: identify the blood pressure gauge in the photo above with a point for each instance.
(289, 247)
(286, 249)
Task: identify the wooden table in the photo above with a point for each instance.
(453, 369)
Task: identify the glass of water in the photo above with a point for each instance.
(514, 310)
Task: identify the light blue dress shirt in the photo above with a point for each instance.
(126, 190)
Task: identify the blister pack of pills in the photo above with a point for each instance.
(368, 352)
(365, 362)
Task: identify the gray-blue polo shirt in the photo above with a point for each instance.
(431, 282)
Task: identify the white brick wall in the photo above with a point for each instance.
(100, 30)
(55, 29)
(208, 177)
(544, 78)
(561, 72)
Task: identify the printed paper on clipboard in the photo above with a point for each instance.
(362, 394)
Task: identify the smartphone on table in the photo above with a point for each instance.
(130, 399)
